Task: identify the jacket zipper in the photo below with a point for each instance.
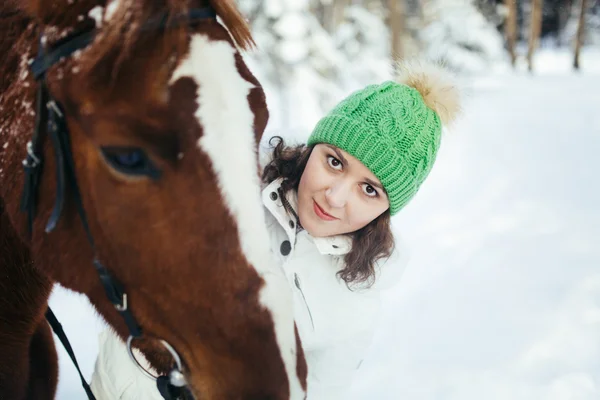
(297, 282)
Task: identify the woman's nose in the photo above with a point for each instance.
(337, 195)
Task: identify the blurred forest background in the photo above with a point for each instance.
(319, 50)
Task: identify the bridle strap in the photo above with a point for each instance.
(66, 178)
(33, 162)
(80, 41)
(56, 128)
(193, 17)
(43, 63)
(60, 333)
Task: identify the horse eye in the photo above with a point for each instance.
(131, 161)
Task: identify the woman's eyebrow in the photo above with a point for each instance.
(373, 183)
(339, 154)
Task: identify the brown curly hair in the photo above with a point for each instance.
(369, 244)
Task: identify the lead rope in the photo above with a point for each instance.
(60, 333)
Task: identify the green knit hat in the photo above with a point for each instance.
(394, 128)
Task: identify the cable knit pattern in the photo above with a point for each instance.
(390, 129)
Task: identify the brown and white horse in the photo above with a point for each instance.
(146, 128)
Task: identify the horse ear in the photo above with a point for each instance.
(235, 22)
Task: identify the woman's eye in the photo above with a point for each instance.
(130, 161)
(334, 162)
(370, 190)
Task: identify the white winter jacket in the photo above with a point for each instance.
(335, 324)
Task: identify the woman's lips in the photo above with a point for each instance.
(321, 213)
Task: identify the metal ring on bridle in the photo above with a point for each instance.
(34, 157)
(178, 365)
(176, 357)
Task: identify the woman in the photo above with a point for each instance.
(328, 207)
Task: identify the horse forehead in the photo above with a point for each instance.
(227, 120)
(212, 62)
(211, 66)
(227, 138)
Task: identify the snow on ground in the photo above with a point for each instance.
(501, 299)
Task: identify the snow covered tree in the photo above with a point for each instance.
(296, 61)
(535, 30)
(306, 69)
(491, 10)
(363, 39)
(591, 33)
(456, 33)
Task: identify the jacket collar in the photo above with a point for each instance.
(333, 245)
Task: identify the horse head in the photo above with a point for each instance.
(163, 119)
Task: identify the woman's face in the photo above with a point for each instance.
(337, 194)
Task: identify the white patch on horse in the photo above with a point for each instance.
(228, 139)
(66, 32)
(27, 106)
(111, 8)
(96, 14)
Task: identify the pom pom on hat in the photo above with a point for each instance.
(436, 85)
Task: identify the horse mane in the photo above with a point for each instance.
(125, 31)
(235, 22)
(14, 23)
(128, 21)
